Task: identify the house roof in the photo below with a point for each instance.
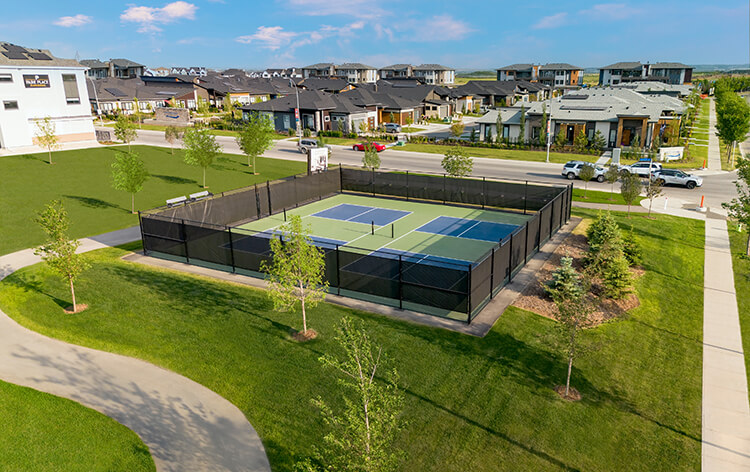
(320, 65)
(559, 66)
(396, 67)
(501, 88)
(655, 87)
(329, 85)
(517, 67)
(308, 100)
(432, 67)
(13, 55)
(124, 63)
(669, 65)
(623, 65)
(354, 65)
(94, 64)
(116, 89)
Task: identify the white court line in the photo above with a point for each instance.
(464, 231)
(358, 215)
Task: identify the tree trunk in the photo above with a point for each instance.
(50, 155)
(255, 170)
(204, 178)
(650, 203)
(304, 317)
(171, 149)
(132, 203)
(72, 293)
(747, 248)
(570, 369)
(628, 210)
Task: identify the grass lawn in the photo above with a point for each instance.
(595, 196)
(83, 181)
(215, 132)
(463, 80)
(344, 141)
(411, 129)
(741, 267)
(537, 156)
(42, 432)
(471, 404)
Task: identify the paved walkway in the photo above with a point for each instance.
(186, 426)
(714, 156)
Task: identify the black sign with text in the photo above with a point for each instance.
(36, 81)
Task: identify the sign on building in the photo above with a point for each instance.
(317, 159)
(36, 81)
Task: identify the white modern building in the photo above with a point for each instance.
(34, 85)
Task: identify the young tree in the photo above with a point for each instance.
(125, 130)
(295, 276)
(543, 128)
(499, 126)
(586, 174)
(457, 129)
(45, 135)
(255, 138)
(129, 174)
(202, 106)
(672, 133)
(630, 188)
(59, 252)
(228, 105)
(561, 140)
(201, 148)
(457, 162)
(409, 120)
(371, 158)
(612, 176)
(391, 117)
(364, 127)
(653, 190)
(732, 119)
(172, 134)
(580, 142)
(361, 438)
(473, 135)
(739, 208)
(598, 142)
(635, 146)
(522, 128)
(137, 111)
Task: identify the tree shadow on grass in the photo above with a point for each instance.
(171, 179)
(91, 202)
(35, 285)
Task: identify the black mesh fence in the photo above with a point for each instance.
(201, 233)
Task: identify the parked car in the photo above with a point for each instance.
(641, 168)
(361, 146)
(677, 177)
(392, 127)
(572, 169)
(306, 143)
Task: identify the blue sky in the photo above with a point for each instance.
(483, 34)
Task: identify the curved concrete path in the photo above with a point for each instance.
(186, 426)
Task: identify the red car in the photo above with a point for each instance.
(361, 146)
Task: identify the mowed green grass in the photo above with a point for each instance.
(82, 180)
(521, 155)
(596, 196)
(479, 404)
(741, 267)
(42, 432)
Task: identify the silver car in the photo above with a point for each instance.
(642, 168)
(572, 169)
(307, 143)
(677, 177)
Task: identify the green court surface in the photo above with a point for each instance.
(438, 234)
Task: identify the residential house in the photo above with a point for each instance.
(491, 93)
(673, 73)
(618, 114)
(191, 71)
(114, 95)
(669, 72)
(618, 72)
(397, 71)
(356, 73)
(560, 75)
(527, 72)
(657, 88)
(120, 68)
(35, 85)
(435, 74)
(332, 85)
(323, 69)
(157, 72)
(96, 68)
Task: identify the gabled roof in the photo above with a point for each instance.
(329, 85)
(559, 66)
(396, 67)
(124, 63)
(308, 100)
(320, 65)
(623, 65)
(517, 67)
(431, 67)
(116, 89)
(13, 55)
(94, 64)
(354, 65)
(669, 65)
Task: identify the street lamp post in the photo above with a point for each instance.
(96, 96)
(296, 112)
(549, 125)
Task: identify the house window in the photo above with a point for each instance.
(506, 131)
(6, 78)
(71, 89)
(535, 132)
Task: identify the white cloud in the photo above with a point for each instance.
(70, 21)
(552, 21)
(611, 11)
(352, 8)
(269, 37)
(436, 28)
(275, 37)
(149, 17)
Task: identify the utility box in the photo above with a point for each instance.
(616, 156)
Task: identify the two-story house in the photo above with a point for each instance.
(356, 73)
(527, 72)
(560, 74)
(323, 69)
(435, 74)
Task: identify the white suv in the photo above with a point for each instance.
(307, 143)
(641, 168)
(572, 169)
(677, 177)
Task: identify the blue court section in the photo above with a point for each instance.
(427, 259)
(251, 244)
(362, 214)
(470, 229)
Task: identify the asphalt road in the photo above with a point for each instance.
(717, 188)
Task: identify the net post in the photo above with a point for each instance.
(284, 213)
(526, 244)
(400, 282)
(373, 227)
(268, 189)
(296, 195)
(231, 248)
(257, 200)
(341, 179)
(184, 240)
(525, 196)
(510, 258)
(143, 238)
(392, 231)
(338, 272)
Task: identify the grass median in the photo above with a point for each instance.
(82, 179)
(741, 267)
(516, 154)
(480, 404)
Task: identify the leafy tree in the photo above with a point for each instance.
(739, 207)
(295, 276)
(137, 111)
(129, 174)
(586, 174)
(59, 252)
(561, 140)
(732, 119)
(45, 135)
(371, 159)
(201, 148)
(229, 105)
(672, 133)
(364, 127)
(598, 142)
(580, 142)
(473, 135)
(522, 128)
(255, 138)
(202, 106)
(635, 146)
(630, 188)
(457, 129)
(125, 130)
(543, 129)
(653, 190)
(391, 117)
(361, 437)
(172, 134)
(457, 162)
(409, 120)
(612, 176)
(498, 126)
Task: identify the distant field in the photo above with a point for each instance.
(463, 80)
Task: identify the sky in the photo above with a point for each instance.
(485, 34)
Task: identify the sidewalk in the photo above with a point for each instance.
(714, 156)
(186, 426)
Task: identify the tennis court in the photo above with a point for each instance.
(419, 233)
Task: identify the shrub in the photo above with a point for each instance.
(617, 281)
(602, 230)
(632, 248)
(306, 133)
(565, 283)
